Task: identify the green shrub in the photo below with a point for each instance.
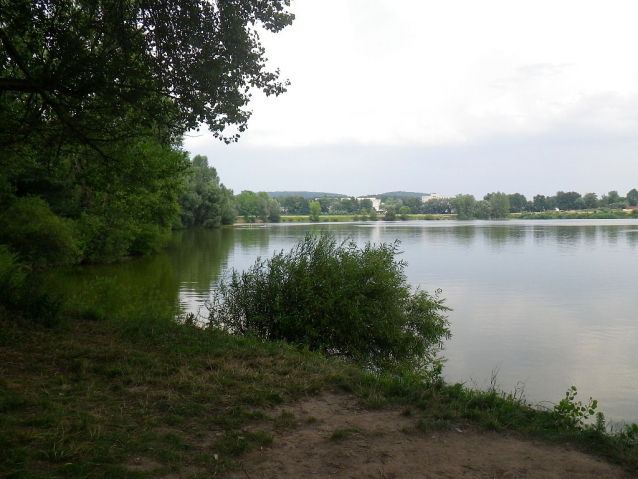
(104, 242)
(22, 291)
(148, 239)
(339, 299)
(37, 234)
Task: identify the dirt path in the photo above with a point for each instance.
(385, 444)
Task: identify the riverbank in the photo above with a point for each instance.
(545, 215)
(138, 395)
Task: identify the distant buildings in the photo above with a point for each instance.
(433, 196)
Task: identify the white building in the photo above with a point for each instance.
(433, 196)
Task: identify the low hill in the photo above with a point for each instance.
(397, 194)
(304, 194)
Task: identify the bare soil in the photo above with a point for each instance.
(386, 444)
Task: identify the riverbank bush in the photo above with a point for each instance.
(23, 293)
(40, 237)
(336, 298)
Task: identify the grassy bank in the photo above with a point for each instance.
(138, 395)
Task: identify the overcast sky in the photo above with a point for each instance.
(454, 96)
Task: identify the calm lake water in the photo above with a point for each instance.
(542, 305)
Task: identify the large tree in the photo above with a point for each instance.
(98, 71)
(205, 201)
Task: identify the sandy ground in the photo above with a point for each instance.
(385, 444)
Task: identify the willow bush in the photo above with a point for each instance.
(337, 298)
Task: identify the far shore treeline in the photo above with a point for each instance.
(54, 216)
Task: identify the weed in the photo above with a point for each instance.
(571, 413)
(339, 434)
(286, 420)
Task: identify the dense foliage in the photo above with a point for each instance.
(336, 298)
(253, 205)
(205, 201)
(94, 99)
(102, 71)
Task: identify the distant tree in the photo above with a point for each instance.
(366, 204)
(390, 213)
(632, 198)
(464, 206)
(518, 202)
(567, 201)
(350, 205)
(295, 205)
(437, 206)
(373, 215)
(252, 205)
(612, 197)
(274, 210)
(483, 210)
(499, 205)
(414, 203)
(540, 203)
(315, 210)
(404, 210)
(590, 201)
(325, 203)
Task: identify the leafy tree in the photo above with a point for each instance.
(517, 202)
(414, 203)
(274, 210)
(632, 197)
(499, 205)
(437, 206)
(404, 210)
(315, 210)
(38, 235)
(464, 206)
(90, 72)
(339, 299)
(390, 213)
(205, 201)
(252, 205)
(611, 198)
(295, 205)
(366, 204)
(483, 210)
(567, 201)
(373, 215)
(350, 205)
(540, 203)
(590, 201)
(325, 203)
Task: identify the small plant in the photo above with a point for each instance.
(571, 413)
(339, 434)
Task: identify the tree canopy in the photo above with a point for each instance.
(98, 71)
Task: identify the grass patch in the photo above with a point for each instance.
(106, 399)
